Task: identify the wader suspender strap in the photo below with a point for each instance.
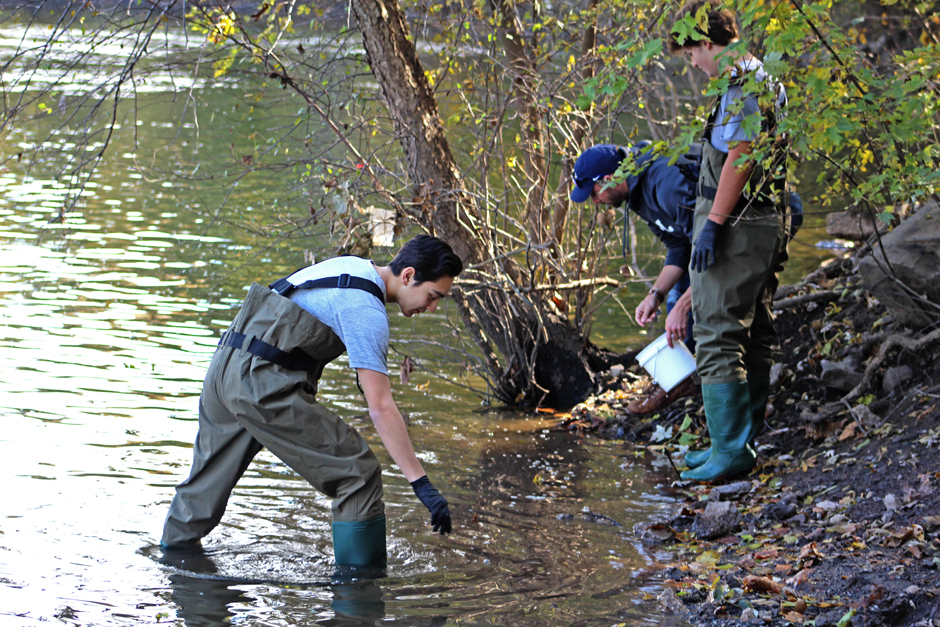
(295, 360)
(285, 287)
(298, 359)
(706, 191)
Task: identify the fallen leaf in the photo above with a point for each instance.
(809, 555)
(407, 367)
(800, 578)
(877, 593)
(844, 529)
(761, 584)
(925, 488)
(846, 619)
(708, 558)
(848, 432)
(906, 535)
(766, 554)
(794, 617)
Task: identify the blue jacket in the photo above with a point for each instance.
(664, 197)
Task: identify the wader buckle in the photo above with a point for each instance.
(297, 359)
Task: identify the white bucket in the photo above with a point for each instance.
(668, 366)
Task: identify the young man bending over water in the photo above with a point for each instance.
(260, 391)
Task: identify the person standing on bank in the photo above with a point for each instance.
(663, 196)
(260, 391)
(739, 244)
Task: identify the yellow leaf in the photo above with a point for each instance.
(708, 558)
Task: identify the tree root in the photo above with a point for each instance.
(894, 341)
(814, 297)
(828, 271)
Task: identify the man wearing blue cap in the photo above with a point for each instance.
(663, 195)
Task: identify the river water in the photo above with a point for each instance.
(109, 317)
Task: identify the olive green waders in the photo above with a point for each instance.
(731, 306)
(249, 402)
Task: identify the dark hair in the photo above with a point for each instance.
(430, 257)
(721, 28)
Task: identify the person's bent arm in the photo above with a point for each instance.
(388, 422)
(677, 322)
(648, 308)
(731, 183)
(730, 186)
(394, 434)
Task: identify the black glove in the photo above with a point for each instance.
(705, 247)
(436, 504)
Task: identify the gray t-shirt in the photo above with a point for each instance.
(729, 126)
(356, 316)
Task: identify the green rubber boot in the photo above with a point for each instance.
(694, 459)
(360, 544)
(759, 387)
(729, 416)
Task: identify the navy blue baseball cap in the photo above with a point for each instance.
(594, 164)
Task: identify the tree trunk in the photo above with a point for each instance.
(534, 356)
(560, 214)
(525, 87)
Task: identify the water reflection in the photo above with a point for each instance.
(109, 315)
(205, 602)
(209, 602)
(206, 597)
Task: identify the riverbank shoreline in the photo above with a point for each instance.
(838, 524)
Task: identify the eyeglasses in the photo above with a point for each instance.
(584, 182)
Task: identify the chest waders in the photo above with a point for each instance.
(731, 306)
(260, 392)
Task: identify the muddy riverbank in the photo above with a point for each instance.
(838, 524)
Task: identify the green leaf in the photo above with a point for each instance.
(651, 49)
(584, 102)
(846, 619)
(862, 444)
